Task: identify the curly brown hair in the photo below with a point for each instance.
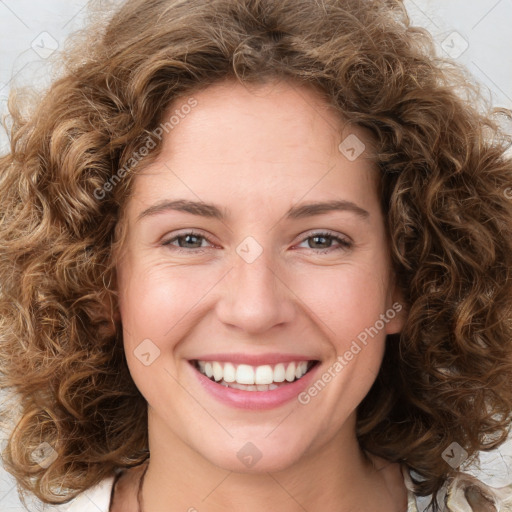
(444, 179)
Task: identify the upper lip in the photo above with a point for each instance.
(254, 359)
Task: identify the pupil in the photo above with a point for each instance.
(315, 238)
(188, 237)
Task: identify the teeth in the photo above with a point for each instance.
(217, 371)
(264, 374)
(279, 372)
(252, 378)
(298, 372)
(290, 373)
(245, 374)
(229, 372)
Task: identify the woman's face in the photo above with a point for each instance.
(265, 285)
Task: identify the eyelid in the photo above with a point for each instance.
(185, 232)
(325, 232)
(344, 241)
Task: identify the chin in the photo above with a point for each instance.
(255, 455)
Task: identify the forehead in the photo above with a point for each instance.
(276, 140)
(276, 114)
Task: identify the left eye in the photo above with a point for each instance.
(344, 243)
(185, 241)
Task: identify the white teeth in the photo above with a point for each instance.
(264, 375)
(252, 378)
(290, 372)
(217, 371)
(245, 387)
(301, 369)
(279, 372)
(244, 374)
(229, 372)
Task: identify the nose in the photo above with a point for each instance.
(255, 297)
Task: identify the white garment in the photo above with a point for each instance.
(95, 499)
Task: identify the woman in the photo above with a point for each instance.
(336, 336)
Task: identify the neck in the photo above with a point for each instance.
(335, 476)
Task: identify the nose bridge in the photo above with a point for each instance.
(255, 297)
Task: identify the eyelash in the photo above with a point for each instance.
(344, 243)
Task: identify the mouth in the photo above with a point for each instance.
(267, 377)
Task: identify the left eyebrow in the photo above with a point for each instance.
(310, 209)
(214, 212)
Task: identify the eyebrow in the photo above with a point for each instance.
(214, 212)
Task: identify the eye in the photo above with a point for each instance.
(192, 241)
(325, 239)
(185, 240)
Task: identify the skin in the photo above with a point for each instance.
(255, 152)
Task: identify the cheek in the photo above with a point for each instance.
(153, 305)
(152, 296)
(162, 304)
(348, 306)
(347, 300)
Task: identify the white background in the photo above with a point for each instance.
(474, 32)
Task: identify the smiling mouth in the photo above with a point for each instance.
(253, 378)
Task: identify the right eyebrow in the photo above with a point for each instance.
(212, 211)
(183, 205)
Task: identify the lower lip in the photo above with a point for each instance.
(256, 400)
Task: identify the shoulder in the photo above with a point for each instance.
(463, 493)
(117, 493)
(96, 498)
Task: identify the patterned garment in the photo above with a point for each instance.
(465, 493)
